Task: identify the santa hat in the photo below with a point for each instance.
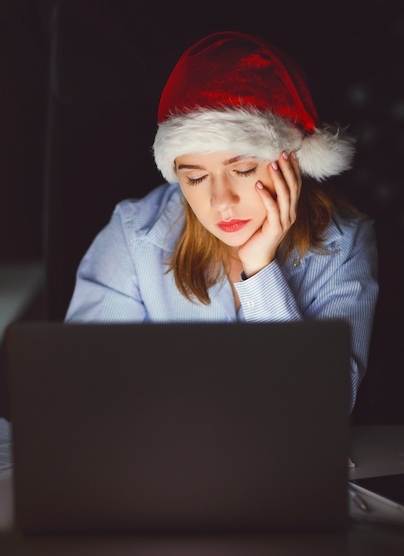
(236, 92)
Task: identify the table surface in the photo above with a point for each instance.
(376, 450)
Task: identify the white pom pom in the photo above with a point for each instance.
(326, 153)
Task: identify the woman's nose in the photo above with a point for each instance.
(223, 195)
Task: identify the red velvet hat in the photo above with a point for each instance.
(236, 92)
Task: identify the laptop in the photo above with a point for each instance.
(179, 428)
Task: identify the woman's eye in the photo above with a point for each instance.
(246, 173)
(195, 181)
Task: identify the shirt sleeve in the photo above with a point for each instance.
(106, 287)
(266, 296)
(339, 285)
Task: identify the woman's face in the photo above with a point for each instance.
(220, 189)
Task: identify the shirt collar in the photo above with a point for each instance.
(333, 232)
(168, 225)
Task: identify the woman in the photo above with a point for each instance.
(244, 229)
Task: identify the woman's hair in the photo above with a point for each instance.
(200, 259)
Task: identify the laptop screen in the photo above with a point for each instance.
(179, 427)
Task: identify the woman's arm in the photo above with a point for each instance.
(106, 284)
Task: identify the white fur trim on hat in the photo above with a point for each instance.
(250, 132)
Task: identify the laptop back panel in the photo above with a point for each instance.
(179, 427)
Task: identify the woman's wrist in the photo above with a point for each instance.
(250, 271)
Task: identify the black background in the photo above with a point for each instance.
(80, 83)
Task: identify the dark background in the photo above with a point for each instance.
(80, 83)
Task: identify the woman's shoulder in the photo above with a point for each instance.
(349, 222)
(160, 208)
(150, 207)
(347, 230)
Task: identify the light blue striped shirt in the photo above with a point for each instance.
(123, 278)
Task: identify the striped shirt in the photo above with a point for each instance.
(123, 277)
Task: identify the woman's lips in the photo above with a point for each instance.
(232, 225)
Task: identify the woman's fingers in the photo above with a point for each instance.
(286, 179)
(279, 195)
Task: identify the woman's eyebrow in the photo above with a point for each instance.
(235, 159)
(190, 167)
(225, 163)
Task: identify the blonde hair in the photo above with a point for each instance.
(200, 259)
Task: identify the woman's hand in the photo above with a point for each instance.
(285, 181)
